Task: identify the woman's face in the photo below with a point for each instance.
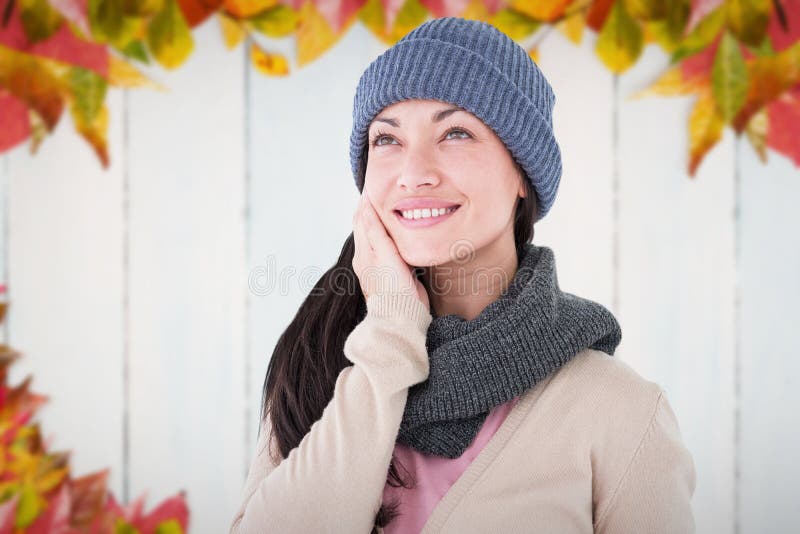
(435, 154)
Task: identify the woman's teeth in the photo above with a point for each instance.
(425, 213)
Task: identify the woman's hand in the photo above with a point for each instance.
(376, 262)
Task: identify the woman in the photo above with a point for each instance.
(481, 398)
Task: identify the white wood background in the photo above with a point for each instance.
(140, 300)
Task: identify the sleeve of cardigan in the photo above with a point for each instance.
(333, 480)
(655, 493)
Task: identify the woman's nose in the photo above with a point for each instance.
(419, 169)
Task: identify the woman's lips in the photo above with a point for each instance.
(424, 222)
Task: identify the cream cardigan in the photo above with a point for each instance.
(592, 448)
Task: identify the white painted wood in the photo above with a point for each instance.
(65, 271)
(188, 283)
(302, 191)
(3, 236)
(580, 225)
(769, 267)
(676, 278)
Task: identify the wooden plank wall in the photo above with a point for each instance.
(148, 297)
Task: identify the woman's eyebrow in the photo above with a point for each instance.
(436, 117)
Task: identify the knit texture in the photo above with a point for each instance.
(474, 65)
(530, 331)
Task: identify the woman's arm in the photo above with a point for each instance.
(654, 495)
(333, 480)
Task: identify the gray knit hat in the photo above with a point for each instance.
(474, 65)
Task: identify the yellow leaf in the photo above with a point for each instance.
(647, 9)
(95, 132)
(756, 132)
(534, 54)
(268, 63)
(475, 10)
(232, 31)
(168, 36)
(123, 74)
(671, 83)
(314, 34)
(705, 129)
(572, 26)
(516, 25)
(36, 81)
(279, 21)
(142, 8)
(620, 41)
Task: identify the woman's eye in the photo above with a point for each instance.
(378, 138)
(458, 130)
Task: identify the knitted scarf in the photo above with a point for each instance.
(528, 332)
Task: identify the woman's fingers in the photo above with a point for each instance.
(376, 233)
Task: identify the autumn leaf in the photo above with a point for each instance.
(232, 30)
(247, 8)
(34, 81)
(109, 24)
(705, 129)
(142, 8)
(672, 82)
(572, 26)
(391, 26)
(268, 63)
(748, 19)
(647, 9)
(784, 125)
(168, 36)
(475, 10)
(542, 10)
(756, 132)
(314, 35)
(278, 21)
(620, 41)
(669, 30)
(729, 77)
(515, 24)
(701, 36)
(39, 19)
(123, 74)
(197, 11)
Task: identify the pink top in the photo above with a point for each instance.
(434, 475)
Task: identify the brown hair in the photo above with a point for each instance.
(309, 355)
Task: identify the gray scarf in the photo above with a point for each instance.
(531, 330)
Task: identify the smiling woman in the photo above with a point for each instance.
(481, 397)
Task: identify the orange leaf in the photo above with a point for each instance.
(705, 129)
(596, 17)
(268, 63)
(196, 11)
(33, 81)
(247, 8)
(544, 10)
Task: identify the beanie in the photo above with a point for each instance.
(474, 65)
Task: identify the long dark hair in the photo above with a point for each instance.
(309, 355)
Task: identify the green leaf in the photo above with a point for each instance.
(88, 91)
(620, 42)
(729, 77)
(702, 35)
(647, 9)
(28, 507)
(142, 8)
(137, 51)
(168, 36)
(109, 23)
(39, 19)
(123, 527)
(278, 21)
(748, 19)
(516, 25)
(668, 31)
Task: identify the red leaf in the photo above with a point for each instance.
(784, 125)
(15, 126)
(62, 46)
(172, 508)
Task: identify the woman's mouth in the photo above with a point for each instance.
(423, 218)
